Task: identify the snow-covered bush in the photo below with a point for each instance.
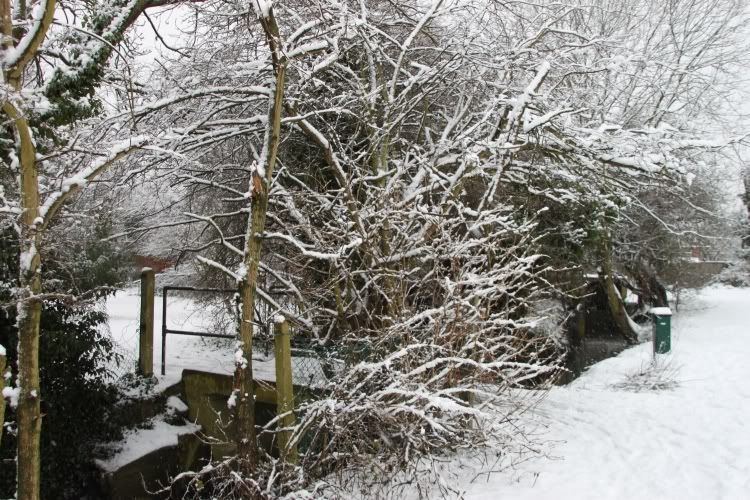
(415, 172)
(736, 274)
(435, 381)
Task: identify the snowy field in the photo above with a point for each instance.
(187, 352)
(688, 442)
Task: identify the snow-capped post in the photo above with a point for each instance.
(662, 329)
(146, 337)
(284, 389)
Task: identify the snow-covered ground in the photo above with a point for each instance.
(182, 351)
(187, 352)
(688, 442)
(606, 440)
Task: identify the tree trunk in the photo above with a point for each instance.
(29, 313)
(247, 446)
(616, 303)
(28, 413)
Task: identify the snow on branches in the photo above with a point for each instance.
(432, 171)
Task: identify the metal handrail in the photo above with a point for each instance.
(165, 330)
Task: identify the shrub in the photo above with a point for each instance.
(76, 359)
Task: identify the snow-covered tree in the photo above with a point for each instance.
(416, 173)
(55, 58)
(388, 220)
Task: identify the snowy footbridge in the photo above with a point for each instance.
(188, 407)
(307, 369)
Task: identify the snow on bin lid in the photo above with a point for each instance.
(660, 311)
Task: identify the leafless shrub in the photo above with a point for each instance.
(661, 374)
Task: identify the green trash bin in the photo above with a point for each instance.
(662, 329)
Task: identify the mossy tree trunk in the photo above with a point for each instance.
(614, 298)
(247, 446)
(29, 306)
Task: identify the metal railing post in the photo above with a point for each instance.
(164, 330)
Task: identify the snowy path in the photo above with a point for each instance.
(692, 442)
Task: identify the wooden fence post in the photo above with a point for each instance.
(2, 386)
(146, 339)
(284, 389)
